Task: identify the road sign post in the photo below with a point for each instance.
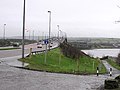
(30, 52)
(46, 42)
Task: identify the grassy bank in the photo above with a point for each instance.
(113, 63)
(57, 62)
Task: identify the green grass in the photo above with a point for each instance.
(113, 63)
(9, 48)
(66, 65)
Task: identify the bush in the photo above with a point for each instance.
(4, 43)
(118, 79)
(70, 51)
(111, 84)
(118, 59)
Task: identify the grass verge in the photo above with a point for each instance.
(57, 62)
(113, 63)
(8, 48)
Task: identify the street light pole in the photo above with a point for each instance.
(4, 32)
(29, 34)
(58, 32)
(23, 37)
(49, 26)
(33, 34)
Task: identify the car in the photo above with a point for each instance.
(39, 46)
(16, 44)
(51, 42)
(50, 45)
(42, 42)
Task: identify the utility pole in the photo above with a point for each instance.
(23, 36)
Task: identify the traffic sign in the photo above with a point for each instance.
(46, 41)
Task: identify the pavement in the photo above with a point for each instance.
(13, 61)
(12, 78)
(115, 72)
(20, 79)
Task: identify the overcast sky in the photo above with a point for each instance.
(78, 18)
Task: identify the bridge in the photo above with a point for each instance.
(11, 57)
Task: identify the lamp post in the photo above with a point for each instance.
(59, 43)
(29, 34)
(60, 35)
(33, 34)
(4, 32)
(58, 32)
(23, 36)
(49, 26)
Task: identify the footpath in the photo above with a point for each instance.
(13, 61)
(115, 72)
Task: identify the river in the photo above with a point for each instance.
(102, 52)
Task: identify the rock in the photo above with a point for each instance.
(111, 84)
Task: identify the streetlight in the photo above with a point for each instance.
(65, 35)
(58, 31)
(33, 34)
(4, 32)
(49, 26)
(29, 34)
(59, 36)
(23, 37)
(59, 43)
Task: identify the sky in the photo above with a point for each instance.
(78, 18)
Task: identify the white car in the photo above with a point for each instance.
(39, 46)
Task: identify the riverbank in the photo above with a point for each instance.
(113, 63)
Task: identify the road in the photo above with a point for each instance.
(17, 52)
(10, 57)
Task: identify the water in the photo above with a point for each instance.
(102, 52)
